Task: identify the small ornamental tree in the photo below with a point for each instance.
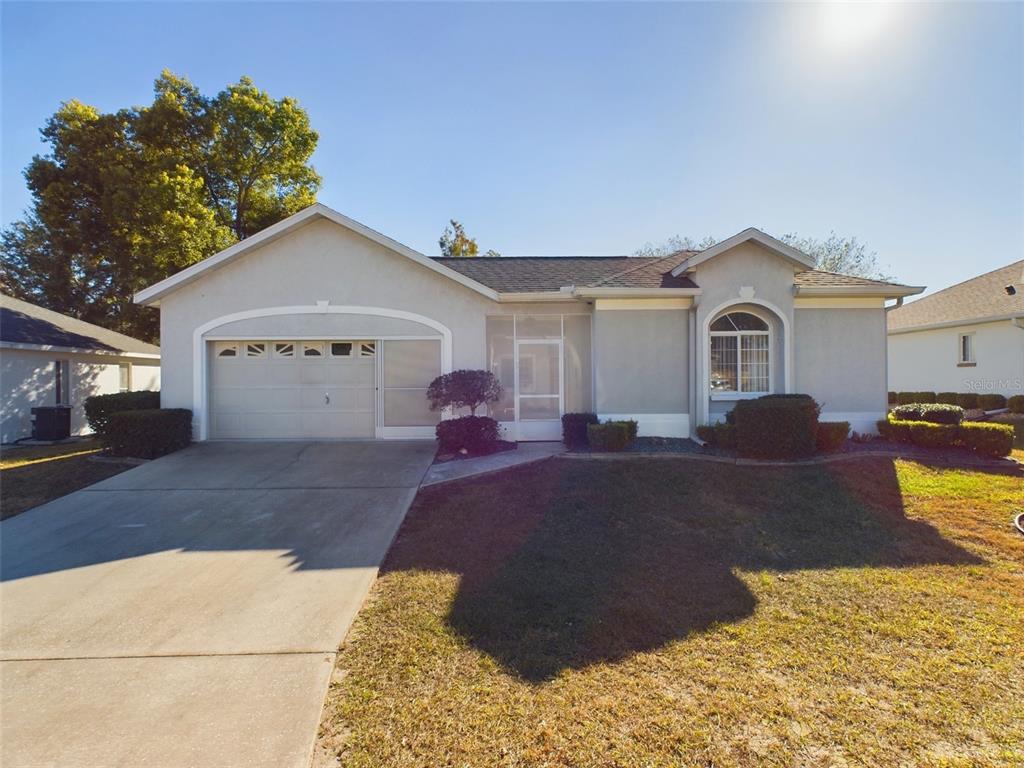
(463, 389)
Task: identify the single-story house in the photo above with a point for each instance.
(321, 327)
(47, 358)
(965, 338)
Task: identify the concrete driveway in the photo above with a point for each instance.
(187, 612)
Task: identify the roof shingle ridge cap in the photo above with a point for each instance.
(657, 260)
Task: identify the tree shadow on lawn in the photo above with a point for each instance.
(572, 563)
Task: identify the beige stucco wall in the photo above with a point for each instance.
(322, 261)
(927, 360)
(839, 358)
(27, 381)
(641, 366)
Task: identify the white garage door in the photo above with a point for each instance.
(293, 389)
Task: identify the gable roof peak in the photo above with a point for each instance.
(793, 255)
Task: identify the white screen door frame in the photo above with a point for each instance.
(540, 429)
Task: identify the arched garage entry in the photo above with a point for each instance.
(317, 372)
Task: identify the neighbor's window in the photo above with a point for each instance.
(124, 377)
(740, 354)
(966, 347)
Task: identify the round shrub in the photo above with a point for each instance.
(991, 402)
(476, 435)
(987, 439)
(610, 435)
(935, 413)
(777, 426)
(463, 389)
(832, 435)
(574, 428)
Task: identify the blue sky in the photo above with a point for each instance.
(593, 128)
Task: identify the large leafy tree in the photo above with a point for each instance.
(123, 200)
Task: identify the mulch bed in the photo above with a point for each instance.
(500, 447)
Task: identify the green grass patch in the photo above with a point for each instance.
(665, 613)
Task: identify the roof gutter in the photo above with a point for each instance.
(885, 291)
(1017, 320)
(77, 350)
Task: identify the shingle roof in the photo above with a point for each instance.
(816, 278)
(508, 274)
(24, 323)
(980, 297)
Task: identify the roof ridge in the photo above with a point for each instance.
(658, 260)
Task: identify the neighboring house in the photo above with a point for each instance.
(47, 358)
(321, 327)
(966, 338)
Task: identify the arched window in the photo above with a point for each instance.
(740, 354)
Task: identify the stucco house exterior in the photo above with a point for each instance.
(321, 327)
(965, 338)
(47, 358)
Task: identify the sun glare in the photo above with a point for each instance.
(850, 25)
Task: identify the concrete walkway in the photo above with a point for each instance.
(524, 454)
(187, 612)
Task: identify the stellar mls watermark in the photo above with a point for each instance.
(998, 386)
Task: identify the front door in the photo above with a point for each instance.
(539, 389)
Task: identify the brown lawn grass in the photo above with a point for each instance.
(32, 476)
(674, 613)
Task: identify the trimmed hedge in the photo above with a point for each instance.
(611, 435)
(832, 435)
(99, 407)
(987, 439)
(935, 413)
(574, 428)
(474, 434)
(991, 402)
(148, 434)
(948, 398)
(892, 398)
(967, 400)
(720, 435)
(777, 426)
(1015, 404)
(928, 435)
(984, 438)
(1014, 420)
(906, 398)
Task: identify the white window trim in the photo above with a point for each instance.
(973, 359)
(703, 375)
(127, 366)
(739, 394)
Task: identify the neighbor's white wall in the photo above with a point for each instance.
(27, 381)
(927, 360)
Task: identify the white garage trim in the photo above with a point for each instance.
(200, 407)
